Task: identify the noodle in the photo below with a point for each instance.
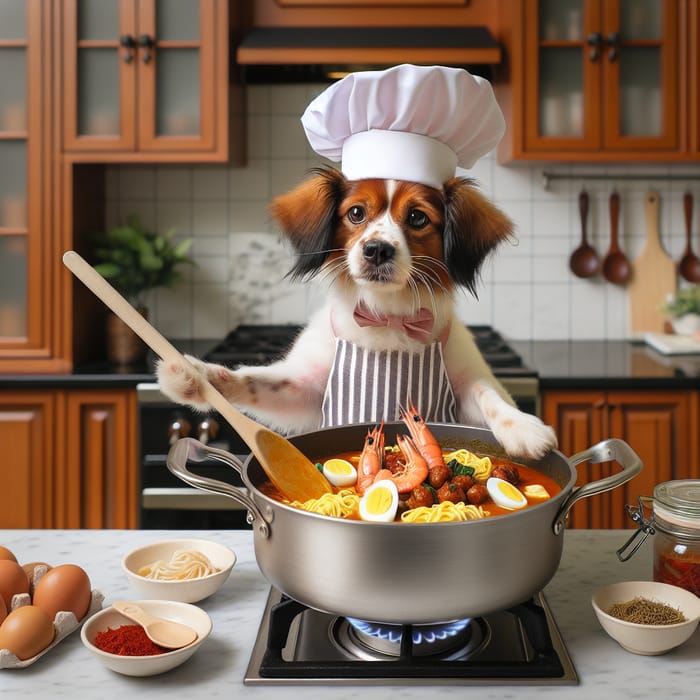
(184, 564)
(338, 505)
(482, 465)
(444, 512)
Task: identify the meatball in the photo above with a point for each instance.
(464, 481)
(451, 492)
(507, 472)
(420, 496)
(438, 475)
(477, 494)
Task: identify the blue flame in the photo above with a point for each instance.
(421, 633)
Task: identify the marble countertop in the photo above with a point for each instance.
(218, 668)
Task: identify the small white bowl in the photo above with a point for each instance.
(185, 591)
(147, 665)
(649, 640)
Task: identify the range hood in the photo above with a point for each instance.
(285, 54)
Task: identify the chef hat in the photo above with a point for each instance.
(415, 123)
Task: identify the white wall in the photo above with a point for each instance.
(527, 289)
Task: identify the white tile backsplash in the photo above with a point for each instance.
(526, 290)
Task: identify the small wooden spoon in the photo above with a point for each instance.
(287, 468)
(689, 265)
(616, 266)
(164, 633)
(584, 260)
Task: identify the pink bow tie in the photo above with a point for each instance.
(418, 327)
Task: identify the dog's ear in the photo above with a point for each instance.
(307, 215)
(473, 228)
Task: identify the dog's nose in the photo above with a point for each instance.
(378, 252)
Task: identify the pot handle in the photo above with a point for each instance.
(190, 449)
(605, 451)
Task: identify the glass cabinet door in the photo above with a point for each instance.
(178, 86)
(99, 75)
(14, 233)
(641, 73)
(562, 60)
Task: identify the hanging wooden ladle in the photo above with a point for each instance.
(616, 266)
(689, 264)
(287, 468)
(584, 260)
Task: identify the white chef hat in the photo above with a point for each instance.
(415, 123)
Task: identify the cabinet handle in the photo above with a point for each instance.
(127, 41)
(595, 41)
(614, 50)
(146, 43)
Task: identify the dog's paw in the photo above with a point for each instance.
(524, 435)
(182, 381)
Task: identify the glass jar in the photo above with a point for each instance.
(676, 517)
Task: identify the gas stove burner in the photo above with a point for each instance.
(445, 640)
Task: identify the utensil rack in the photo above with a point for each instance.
(548, 176)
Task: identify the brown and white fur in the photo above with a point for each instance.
(397, 246)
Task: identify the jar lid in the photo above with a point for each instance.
(679, 501)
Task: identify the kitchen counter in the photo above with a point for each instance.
(609, 364)
(218, 668)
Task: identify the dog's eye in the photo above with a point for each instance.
(356, 214)
(417, 219)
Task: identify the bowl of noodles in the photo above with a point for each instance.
(184, 570)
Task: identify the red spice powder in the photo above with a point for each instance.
(127, 640)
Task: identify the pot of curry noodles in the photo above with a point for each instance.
(395, 547)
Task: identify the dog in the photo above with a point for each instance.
(393, 254)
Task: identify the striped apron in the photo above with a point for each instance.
(370, 385)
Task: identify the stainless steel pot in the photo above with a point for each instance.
(407, 572)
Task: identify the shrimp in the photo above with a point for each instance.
(370, 462)
(411, 471)
(427, 444)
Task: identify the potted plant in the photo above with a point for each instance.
(134, 260)
(684, 309)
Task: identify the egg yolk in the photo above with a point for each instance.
(338, 466)
(509, 491)
(378, 501)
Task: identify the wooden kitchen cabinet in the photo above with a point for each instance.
(70, 458)
(29, 302)
(145, 80)
(662, 427)
(599, 80)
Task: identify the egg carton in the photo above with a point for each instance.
(64, 623)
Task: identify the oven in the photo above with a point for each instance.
(167, 503)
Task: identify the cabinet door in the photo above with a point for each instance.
(24, 320)
(640, 75)
(100, 468)
(563, 54)
(182, 77)
(578, 417)
(99, 75)
(26, 432)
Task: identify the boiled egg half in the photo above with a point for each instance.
(380, 502)
(504, 494)
(339, 472)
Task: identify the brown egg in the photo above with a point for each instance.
(26, 631)
(33, 570)
(65, 587)
(5, 553)
(3, 609)
(12, 580)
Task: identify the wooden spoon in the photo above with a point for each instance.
(689, 265)
(584, 260)
(616, 266)
(164, 633)
(287, 468)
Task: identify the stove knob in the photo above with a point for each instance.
(208, 430)
(179, 428)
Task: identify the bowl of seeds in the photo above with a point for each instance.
(647, 617)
